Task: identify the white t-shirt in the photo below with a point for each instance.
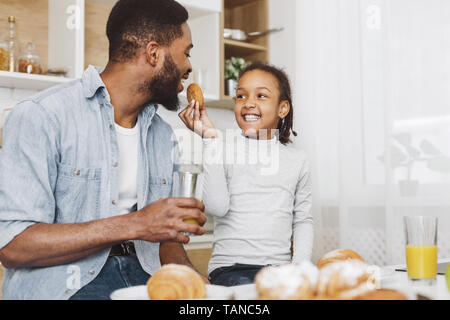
(128, 140)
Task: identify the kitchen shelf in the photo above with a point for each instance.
(248, 16)
(229, 4)
(29, 81)
(225, 102)
(244, 46)
(248, 51)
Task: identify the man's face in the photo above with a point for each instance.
(166, 85)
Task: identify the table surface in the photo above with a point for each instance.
(399, 279)
(391, 279)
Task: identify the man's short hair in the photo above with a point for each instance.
(132, 24)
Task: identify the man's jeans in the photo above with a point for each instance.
(118, 272)
(234, 275)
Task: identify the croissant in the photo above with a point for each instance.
(338, 255)
(344, 280)
(286, 282)
(174, 282)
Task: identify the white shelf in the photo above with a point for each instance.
(199, 8)
(29, 81)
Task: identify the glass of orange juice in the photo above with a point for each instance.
(421, 249)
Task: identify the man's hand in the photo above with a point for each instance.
(43, 245)
(198, 121)
(163, 220)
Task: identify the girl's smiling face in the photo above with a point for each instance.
(257, 104)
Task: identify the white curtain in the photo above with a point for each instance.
(372, 106)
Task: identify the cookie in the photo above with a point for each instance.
(194, 92)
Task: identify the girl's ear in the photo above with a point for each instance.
(152, 53)
(284, 109)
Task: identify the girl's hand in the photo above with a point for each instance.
(198, 121)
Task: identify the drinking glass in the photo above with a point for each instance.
(421, 249)
(185, 184)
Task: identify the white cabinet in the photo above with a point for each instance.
(66, 35)
(202, 5)
(71, 34)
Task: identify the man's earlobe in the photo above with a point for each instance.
(152, 52)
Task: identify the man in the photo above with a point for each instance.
(86, 167)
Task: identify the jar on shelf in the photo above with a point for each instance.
(29, 61)
(4, 55)
(12, 43)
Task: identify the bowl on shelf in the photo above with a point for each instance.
(57, 72)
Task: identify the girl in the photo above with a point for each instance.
(258, 206)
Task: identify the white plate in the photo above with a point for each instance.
(387, 273)
(245, 292)
(140, 293)
(218, 292)
(248, 292)
(407, 291)
(131, 293)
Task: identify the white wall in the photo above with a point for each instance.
(282, 48)
(282, 44)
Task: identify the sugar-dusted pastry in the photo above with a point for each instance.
(344, 280)
(174, 282)
(338, 255)
(287, 282)
(194, 92)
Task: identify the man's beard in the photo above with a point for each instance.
(163, 88)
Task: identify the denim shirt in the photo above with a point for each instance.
(59, 165)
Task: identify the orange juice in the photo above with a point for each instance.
(190, 221)
(421, 261)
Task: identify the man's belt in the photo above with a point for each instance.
(125, 248)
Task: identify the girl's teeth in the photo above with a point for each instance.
(251, 118)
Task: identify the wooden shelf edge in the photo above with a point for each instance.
(244, 45)
(230, 4)
(225, 102)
